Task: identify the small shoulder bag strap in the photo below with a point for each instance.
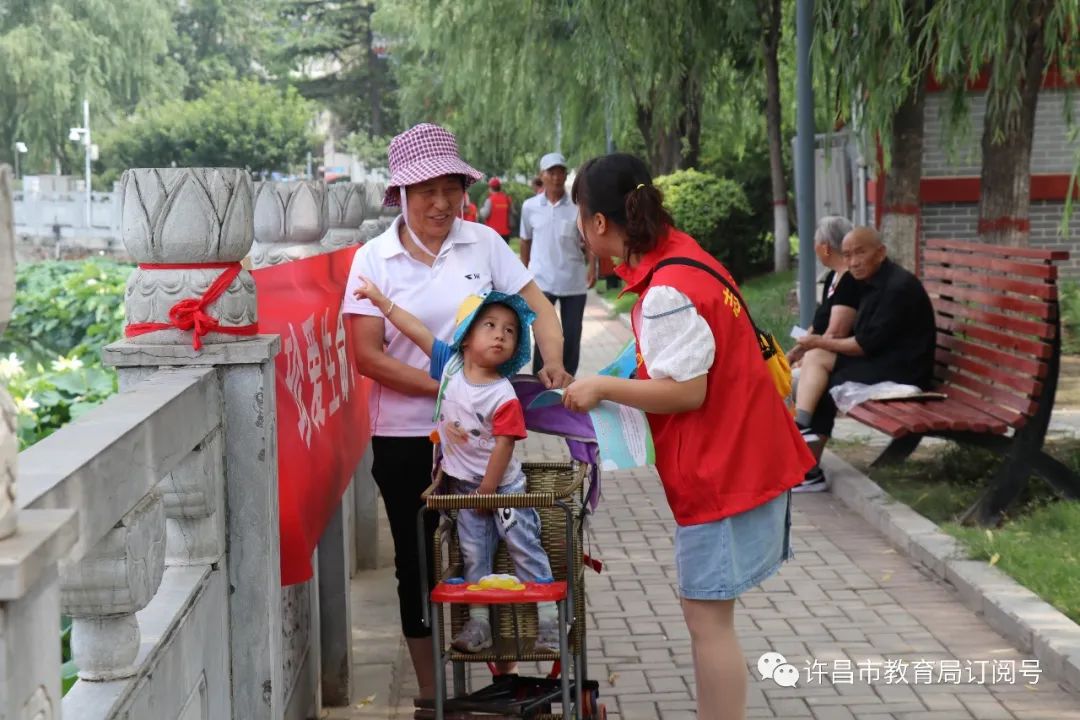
(702, 266)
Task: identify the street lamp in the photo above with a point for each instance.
(82, 134)
(20, 149)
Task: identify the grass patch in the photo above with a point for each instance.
(1036, 545)
(769, 298)
(1070, 316)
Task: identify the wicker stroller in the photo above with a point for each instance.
(563, 494)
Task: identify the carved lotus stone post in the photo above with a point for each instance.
(186, 216)
(348, 205)
(290, 220)
(9, 445)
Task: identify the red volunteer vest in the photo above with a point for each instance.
(469, 212)
(741, 447)
(499, 219)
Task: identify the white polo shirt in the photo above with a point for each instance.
(556, 257)
(473, 260)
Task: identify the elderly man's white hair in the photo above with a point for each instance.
(831, 230)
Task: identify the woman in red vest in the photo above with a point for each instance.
(727, 450)
(495, 212)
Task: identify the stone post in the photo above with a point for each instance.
(379, 217)
(348, 205)
(9, 443)
(290, 220)
(204, 215)
(103, 591)
(186, 216)
(366, 516)
(33, 542)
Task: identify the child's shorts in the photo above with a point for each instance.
(723, 559)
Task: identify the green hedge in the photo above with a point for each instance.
(715, 211)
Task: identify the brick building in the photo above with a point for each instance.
(950, 179)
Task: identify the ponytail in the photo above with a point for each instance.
(646, 218)
(619, 187)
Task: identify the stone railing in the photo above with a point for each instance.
(152, 520)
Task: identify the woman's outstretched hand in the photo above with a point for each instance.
(584, 394)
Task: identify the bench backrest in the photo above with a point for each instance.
(998, 325)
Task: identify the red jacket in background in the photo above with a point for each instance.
(741, 448)
(499, 219)
(469, 211)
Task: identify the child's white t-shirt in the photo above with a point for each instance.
(471, 416)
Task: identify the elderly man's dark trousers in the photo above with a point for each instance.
(571, 310)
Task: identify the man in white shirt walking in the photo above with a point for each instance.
(552, 249)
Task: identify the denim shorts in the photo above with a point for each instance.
(723, 559)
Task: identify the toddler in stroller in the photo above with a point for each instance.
(479, 418)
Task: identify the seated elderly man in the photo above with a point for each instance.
(893, 339)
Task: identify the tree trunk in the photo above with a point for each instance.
(1005, 192)
(690, 122)
(770, 40)
(900, 216)
(375, 82)
(677, 145)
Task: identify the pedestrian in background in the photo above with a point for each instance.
(495, 212)
(553, 250)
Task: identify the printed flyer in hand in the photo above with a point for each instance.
(622, 433)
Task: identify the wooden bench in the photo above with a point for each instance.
(998, 356)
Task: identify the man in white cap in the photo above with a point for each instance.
(552, 249)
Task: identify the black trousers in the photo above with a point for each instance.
(571, 311)
(402, 470)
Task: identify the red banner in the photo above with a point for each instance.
(322, 401)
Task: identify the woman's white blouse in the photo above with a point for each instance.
(473, 260)
(675, 340)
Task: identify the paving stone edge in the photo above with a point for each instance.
(1029, 622)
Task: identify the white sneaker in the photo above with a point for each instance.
(813, 482)
(547, 637)
(474, 637)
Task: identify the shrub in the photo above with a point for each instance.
(715, 211)
(69, 308)
(50, 354)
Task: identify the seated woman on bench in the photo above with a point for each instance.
(834, 318)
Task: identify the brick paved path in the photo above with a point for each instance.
(847, 596)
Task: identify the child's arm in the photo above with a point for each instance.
(497, 464)
(409, 325)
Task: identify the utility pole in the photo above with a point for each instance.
(804, 158)
(86, 146)
(558, 128)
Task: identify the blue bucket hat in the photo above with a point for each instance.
(469, 310)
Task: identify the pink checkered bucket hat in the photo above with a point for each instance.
(424, 152)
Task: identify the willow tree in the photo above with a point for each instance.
(55, 53)
(875, 59)
(512, 73)
(770, 15)
(1014, 43)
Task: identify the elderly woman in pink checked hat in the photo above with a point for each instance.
(427, 262)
